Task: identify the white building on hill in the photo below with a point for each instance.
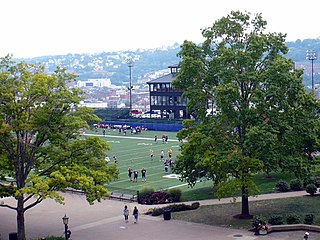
(99, 83)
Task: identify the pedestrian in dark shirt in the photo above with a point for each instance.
(143, 174)
(135, 214)
(130, 174)
(135, 175)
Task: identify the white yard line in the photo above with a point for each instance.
(114, 136)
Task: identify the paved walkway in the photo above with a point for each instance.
(105, 221)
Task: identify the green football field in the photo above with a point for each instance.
(133, 150)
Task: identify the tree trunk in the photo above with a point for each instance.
(245, 203)
(20, 219)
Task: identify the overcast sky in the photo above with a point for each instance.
(32, 28)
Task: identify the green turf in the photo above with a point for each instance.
(133, 150)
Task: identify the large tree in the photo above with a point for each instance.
(252, 111)
(40, 146)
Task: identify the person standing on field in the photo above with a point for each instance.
(143, 174)
(130, 173)
(135, 175)
(161, 155)
(151, 154)
(115, 159)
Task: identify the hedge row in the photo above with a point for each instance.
(173, 208)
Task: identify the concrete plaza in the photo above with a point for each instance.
(104, 220)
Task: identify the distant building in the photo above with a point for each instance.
(99, 83)
(93, 104)
(164, 98)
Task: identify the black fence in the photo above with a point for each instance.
(155, 126)
(121, 190)
(123, 194)
(120, 116)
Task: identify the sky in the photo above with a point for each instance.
(31, 28)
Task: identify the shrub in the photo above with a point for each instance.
(157, 212)
(258, 220)
(317, 181)
(308, 219)
(275, 220)
(51, 238)
(173, 208)
(311, 189)
(174, 194)
(154, 198)
(293, 218)
(308, 181)
(295, 185)
(54, 238)
(282, 186)
(195, 205)
(179, 207)
(145, 191)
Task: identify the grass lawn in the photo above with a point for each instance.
(222, 215)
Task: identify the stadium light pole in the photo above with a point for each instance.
(130, 65)
(311, 56)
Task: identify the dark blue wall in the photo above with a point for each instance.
(149, 126)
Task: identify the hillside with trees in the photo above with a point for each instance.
(113, 65)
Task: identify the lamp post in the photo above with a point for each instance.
(65, 220)
(312, 55)
(130, 65)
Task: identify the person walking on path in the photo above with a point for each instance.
(135, 214)
(126, 213)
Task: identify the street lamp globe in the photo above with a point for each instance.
(65, 220)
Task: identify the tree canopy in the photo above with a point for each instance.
(40, 146)
(252, 111)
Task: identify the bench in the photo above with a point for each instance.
(291, 227)
(112, 195)
(123, 196)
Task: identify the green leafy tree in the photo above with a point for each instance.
(252, 111)
(40, 146)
